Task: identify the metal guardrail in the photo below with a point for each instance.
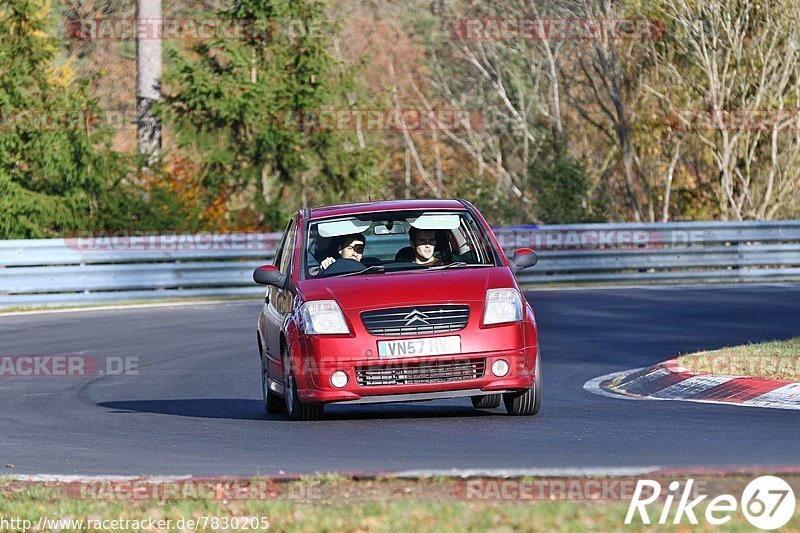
(681, 252)
(117, 268)
(103, 269)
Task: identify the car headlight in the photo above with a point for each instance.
(323, 317)
(502, 305)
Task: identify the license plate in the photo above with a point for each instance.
(417, 347)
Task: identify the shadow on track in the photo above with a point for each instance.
(241, 409)
(227, 408)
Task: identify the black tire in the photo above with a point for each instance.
(272, 402)
(488, 401)
(296, 409)
(526, 403)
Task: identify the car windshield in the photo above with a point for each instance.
(380, 243)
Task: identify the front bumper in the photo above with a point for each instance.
(417, 396)
(313, 376)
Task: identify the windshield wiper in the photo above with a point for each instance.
(373, 268)
(458, 264)
(451, 265)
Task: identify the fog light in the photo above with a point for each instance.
(500, 368)
(339, 379)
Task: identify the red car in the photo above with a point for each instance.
(395, 301)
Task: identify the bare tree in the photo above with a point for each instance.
(513, 81)
(604, 88)
(740, 62)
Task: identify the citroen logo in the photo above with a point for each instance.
(416, 316)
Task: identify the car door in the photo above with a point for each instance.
(278, 300)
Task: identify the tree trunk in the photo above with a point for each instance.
(148, 81)
(627, 164)
(668, 182)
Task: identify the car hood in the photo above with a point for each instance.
(407, 288)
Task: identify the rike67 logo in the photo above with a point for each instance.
(768, 503)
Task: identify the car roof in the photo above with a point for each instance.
(389, 205)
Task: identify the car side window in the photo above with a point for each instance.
(279, 250)
(288, 246)
(477, 248)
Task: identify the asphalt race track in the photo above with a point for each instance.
(195, 408)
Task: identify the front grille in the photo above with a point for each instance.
(421, 320)
(428, 372)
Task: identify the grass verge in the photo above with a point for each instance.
(343, 504)
(769, 360)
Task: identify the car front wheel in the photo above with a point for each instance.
(296, 409)
(527, 402)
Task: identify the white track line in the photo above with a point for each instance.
(611, 471)
(68, 478)
(123, 307)
(593, 385)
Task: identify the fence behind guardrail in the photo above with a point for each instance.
(112, 268)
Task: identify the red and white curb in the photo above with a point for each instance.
(671, 381)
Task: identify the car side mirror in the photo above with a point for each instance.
(269, 275)
(523, 258)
